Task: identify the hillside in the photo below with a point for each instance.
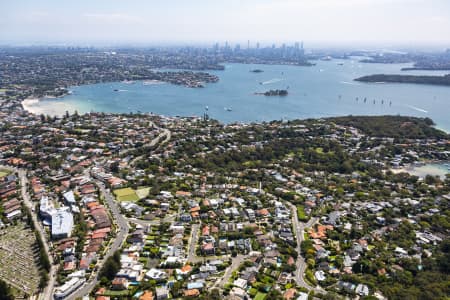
(393, 126)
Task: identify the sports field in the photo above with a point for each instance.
(126, 194)
(129, 194)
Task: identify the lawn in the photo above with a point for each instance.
(126, 194)
(260, 296)
(112, 293)
(301, 214)
(3, 173)
(252, 292)
(142, 192)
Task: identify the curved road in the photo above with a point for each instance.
(122, 232)
(121, 222)
(299, 231)
(165, 132)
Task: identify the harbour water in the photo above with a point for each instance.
(324, 90)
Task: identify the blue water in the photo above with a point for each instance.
(324, 90)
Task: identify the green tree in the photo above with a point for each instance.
(111, 266)
(5, 291)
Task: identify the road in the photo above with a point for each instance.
(299, 231)
(122, 232)
(165, 133)
(235, 263)
(193, 240)
(121, 222)
(48, 291)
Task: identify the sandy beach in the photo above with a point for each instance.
(29, 105)
(55, 106)
(434, 169)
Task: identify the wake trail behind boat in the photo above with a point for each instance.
(417, 108)
(272, 81)
(350, 83)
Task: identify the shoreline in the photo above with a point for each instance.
(27, 104)
(425, 168)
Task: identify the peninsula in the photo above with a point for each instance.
(137, 205)
(416, 79)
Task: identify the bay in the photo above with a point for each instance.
(324, 90)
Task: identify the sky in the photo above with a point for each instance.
(120, 22)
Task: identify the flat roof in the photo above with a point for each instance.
(62, 223)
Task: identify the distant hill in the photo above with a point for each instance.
(393, 126)
(436, 80)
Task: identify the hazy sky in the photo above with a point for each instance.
(406, 22)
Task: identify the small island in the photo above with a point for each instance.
(416, 79)
(256, 71)
(273, 93)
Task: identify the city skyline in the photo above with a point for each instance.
(323, 22)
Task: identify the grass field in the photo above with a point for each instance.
(112, 293)
(260, 296)
(301, 214)
(142, 192)
(126, 194)
(3, 173)
(129, 194)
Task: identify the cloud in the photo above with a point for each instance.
(233, 20)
